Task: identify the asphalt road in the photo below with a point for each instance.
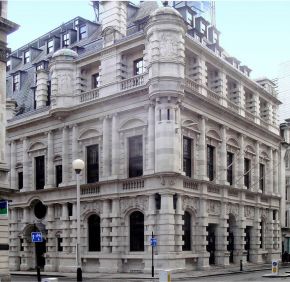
(248, 276)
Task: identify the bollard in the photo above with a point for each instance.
(38, 274)
(241, 265)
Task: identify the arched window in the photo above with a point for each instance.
(94, 232)
(186, 232)
(137, 231)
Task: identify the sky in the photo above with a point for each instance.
(256, 32)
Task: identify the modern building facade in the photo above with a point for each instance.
(6, 27)
(176, 137)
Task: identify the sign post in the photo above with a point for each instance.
(153, 243)
(4, 208)
(36, 237)
(275, 267)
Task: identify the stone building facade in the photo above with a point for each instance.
(176, 138)
(6, 27)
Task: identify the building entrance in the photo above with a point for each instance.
(211, 243)
(40, 250)
(248, 241)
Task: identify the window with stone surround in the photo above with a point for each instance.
(210, 162)
(186, 237)
(247, 173)
(138, 66)
(39, 172)
(65, 39)
(83, 32)
(230, 164)
(137, 232)
(92, 164)
(95, 80)
(58, 175)
(94, 233)
(135, 156)
(20, 180)
(262, 233)
(261, 177)
(59, 244)
(50, 46)
(187, 156)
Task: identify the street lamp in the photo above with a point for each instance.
(78, 166)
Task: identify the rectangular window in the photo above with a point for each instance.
(21, 245)
(58, 175)
(215, 37)
(202, 28)
(135, 156)
(8, 65)
(50, 46)
(189, 18)
(48, 93)
(26, 57)
(261, 176)
(247, 173)
(65, 40)
(39, 173)
(70, 209)
(95, 80)
(187, 143)
(59, 244)
(92, 164)
(261, 235)
(138, 66)
(16, 82)
(230, 160)
(210, 162)
(83, 32)
(20, 180)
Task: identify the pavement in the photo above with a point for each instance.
(185, 275)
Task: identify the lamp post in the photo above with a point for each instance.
(78, 166)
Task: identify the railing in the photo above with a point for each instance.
(233, 106)
(190, 184)
(90, 189)
(133, 184)
(132, 82)
(192, 85)
(89, 95)
(249, 116)
(212, 95)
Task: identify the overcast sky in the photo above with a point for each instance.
(255, 32)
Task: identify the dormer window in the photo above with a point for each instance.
(16, 82)
(8, 65)
(83, 32)
(202, 28)
(50, 46)
(215, 37)
(138, 66)
(65, 40)
(189, 18)
(40, 67)
(26, 57)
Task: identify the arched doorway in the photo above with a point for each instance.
(211, 243)
(186, 237)
(231, 237)
(136, 231)
(248, 241)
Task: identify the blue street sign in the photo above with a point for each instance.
(36, 237)
(153, 242)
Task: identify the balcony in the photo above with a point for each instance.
(89, 95)
(132, 82)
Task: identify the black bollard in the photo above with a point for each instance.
(79, 274)
(38, 274)
(241, 265)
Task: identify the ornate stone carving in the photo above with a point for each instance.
(214, 207)
(233, 209)
(95, 207)
(64, 82)
(140, 202)
(249, 212)
(190, 203)
(168, 45)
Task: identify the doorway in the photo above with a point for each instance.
(248, 241)
(211, 243)
(40, 250)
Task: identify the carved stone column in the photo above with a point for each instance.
(13, 175)
(201, 161)
(50, 168)
(222, 167)
(26, 175)
(241, 169)
(105, 227)
(106, 147)
(269, 174)
(256, 170)
(115, 147)
(75, 152)
(179, 212)
(151, 139)
(65, 164)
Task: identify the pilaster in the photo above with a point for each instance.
(201, 158)
(115, 146)
(50, 168)
(26, 175)
(13, 175)
(106, 148)
(65, 160)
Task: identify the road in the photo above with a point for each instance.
(246, 276)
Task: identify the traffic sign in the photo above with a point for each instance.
(153, 242)
(275, 267)
(36, 237)
(3, 208)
